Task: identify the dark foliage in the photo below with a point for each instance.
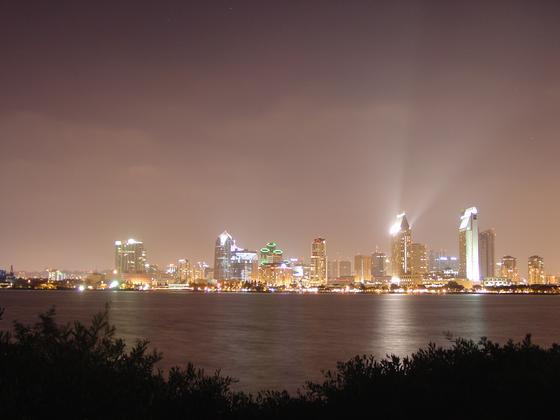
(76, 371)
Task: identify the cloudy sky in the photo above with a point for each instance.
(276, 120)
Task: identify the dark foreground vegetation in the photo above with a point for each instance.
(77, 371)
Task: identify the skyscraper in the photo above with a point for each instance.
(244, 265)
(468, 245)
(362, 268)
(536, 270)
(199, 271)
(440, 263)
(344, 268)
(332, 269)
(319, 262)
(222, 256)
(184, 271)
(509, 269)
(486, 247)
(273, 269)
(418, 260)
(378, 264)
(401, 239)
(130, 257)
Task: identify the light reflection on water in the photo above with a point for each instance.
(279, 341)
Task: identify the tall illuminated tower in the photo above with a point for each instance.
(401, 239)
(130, 257)
(362, 268)
(222, 256)
(469, 267)
(319, 262)
(418, 260)
(486, 248)
(378, 263)
(536, 270)
(184, 271)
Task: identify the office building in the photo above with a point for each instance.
(332, 269)
(443, 265)
(319, 262)
(274, 271)
(362, 268)
(536, 270)
(130, 257)
(184, 273)
(418, 260)
(378, 264)
(244, 265)
(401, 239)
(344, 268)
(509, 269)
(468, 246)
(486, 248)
(222, 257)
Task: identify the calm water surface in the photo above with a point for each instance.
(279, 341)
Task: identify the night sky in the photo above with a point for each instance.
(276, 120)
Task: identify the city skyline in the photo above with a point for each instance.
(401, 247)
(286, 121)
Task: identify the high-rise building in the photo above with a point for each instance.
(244, 265)
(401, 239)
(509, 269)
(273, 269)
(486, 252)
(300, 272)
(222, 256)
(319, 262)
(418, 260)
(378, 264)
(332, 269)
(442, 264)
(56, 275)
(130, 257)
(171, 270)
(344, 269)
(200, 272)
(536, 270)
(184, 271)
(362, 268)
(468, 245)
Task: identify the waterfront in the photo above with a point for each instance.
(281, 340)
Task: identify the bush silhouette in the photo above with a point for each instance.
(78, 371)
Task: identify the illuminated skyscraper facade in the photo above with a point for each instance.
(469, 267)
(509, 269)
(486, 248)
(222, 257)
(442, 264)
(418, 260)
(401, 239)
(362, 268)
(244, 265)
(536, 270)
(199, 272)
(378, 264)
(274, 271)
(130, 257)
(319, 262)
(184, 271)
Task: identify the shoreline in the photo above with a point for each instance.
(292, 292)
